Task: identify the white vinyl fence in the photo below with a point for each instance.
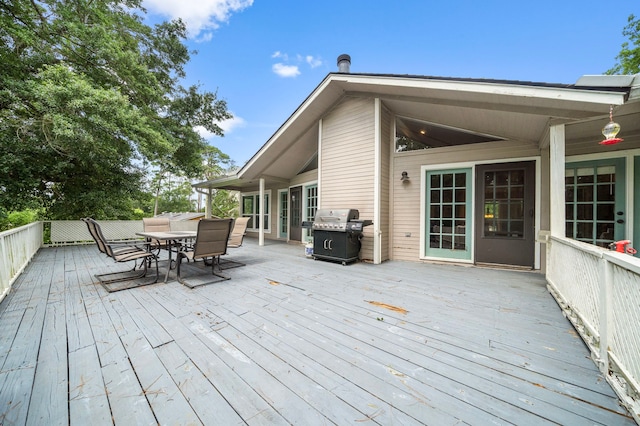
(599, 291)
(17, 248)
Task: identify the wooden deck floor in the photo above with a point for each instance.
(289, 340)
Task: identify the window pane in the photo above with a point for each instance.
(247, 205)
(502, 178)
(607, 192)
(585, 193)
(584, 230)
(606, 212)
(584, 212)
(447, 180)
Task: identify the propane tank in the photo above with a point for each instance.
(308, 249)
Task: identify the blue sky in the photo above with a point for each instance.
(265, 57)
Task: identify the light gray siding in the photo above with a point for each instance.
(348, 156)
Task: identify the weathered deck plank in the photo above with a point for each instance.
(289, 340)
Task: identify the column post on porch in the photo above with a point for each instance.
(261, 215)
(557, 180)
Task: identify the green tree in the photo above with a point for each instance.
(89, 96)
(224, 203)
(178, 198)
(629, 56)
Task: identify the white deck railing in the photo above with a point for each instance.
(599, 291)
(17, 248)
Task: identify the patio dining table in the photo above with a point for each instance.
(173, 239)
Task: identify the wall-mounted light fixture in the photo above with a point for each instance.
(405, 177)
(611, 130)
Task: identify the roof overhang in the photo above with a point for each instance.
(510, 110)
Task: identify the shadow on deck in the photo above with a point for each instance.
(289, 340)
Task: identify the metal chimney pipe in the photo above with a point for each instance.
(344, 63)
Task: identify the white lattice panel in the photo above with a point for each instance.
(70, 231)
(624, 341)
(73, 231)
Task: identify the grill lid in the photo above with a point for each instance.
(334, 219)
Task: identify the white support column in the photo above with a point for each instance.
(377, 186)
(556, 180)
(207, 207)
(320, 163)
(261, 215)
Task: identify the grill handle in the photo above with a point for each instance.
(326, 244)
(329, 219)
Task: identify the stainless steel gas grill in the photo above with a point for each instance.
(337, 234)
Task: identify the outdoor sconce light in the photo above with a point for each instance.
(405, 177)
(611, 130)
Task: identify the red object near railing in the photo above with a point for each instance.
(623, 246)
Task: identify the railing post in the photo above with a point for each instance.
(606, 291)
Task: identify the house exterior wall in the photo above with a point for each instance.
(299, 180)
(406, 196)
(348, 158)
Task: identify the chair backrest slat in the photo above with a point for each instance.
(103, 244)
(92, 225)
(212, 237)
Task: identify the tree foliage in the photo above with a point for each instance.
(629, 56)
(89, 97)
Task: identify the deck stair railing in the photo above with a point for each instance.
(599, 292)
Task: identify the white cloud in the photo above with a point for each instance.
(286, 70)
(198, 15)
(313, 62)
(227, 125)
